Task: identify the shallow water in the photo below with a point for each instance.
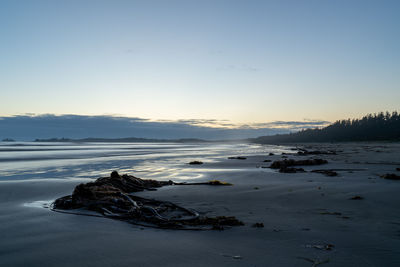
(34, 160)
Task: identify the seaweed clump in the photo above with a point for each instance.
(112, 197)
(242, 158)
(196, 162)
(391, 176)
(279, 164)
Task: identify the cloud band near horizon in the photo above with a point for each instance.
(31, 126)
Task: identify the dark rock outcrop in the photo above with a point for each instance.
(112, 197)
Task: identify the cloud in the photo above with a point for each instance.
(29, 127)
(293, 125)
(208, 123)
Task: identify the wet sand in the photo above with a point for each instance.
(301, 213)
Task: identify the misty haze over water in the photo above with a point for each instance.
(34, 160)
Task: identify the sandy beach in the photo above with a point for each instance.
(307, 217)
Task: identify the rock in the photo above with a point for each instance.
(115, 175)
(107, 189)
(267, 160)
(398, 169)
(112, 197)
(196, 162)
(291, 162)
(271, 154)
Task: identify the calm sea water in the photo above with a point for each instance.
(33, 160)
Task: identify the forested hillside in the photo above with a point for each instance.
(372, 127)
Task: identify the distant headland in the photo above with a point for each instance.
(372, 127)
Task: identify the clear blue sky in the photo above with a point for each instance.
(243, 61)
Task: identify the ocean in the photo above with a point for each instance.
(163, 161)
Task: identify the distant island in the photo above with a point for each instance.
(8, 140)
(120, 140)
(372, 127)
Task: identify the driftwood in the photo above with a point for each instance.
(111, 197)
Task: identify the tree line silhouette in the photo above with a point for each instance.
(372, 127)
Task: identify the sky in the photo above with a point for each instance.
(239, 62)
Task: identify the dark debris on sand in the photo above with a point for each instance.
(304, 152)
(196, 162)
(291, 170)
(291, 162)
(326, 172)
(258, 225)
(391, 176)
(112, 197)
(356, 198)
(242, 158)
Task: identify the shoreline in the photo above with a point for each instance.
(300, 213)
